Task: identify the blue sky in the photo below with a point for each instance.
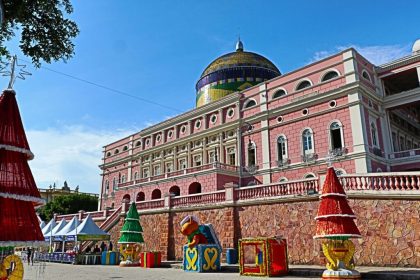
(156, 50)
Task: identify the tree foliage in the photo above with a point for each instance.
(45, 34)
(68, 204)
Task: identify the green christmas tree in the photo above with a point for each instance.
(131, 230)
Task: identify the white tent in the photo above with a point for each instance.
(88, 230)
(50, 226)
(73, 224)
(42, 225)
(56, 229)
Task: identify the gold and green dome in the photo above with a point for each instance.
(233, 72)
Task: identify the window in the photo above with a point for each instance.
(123, 179)
(305, 112)
(279, 119)
(279, 93)
(332, 104)
(402, 146)
(147, 142)
(281, 148)
(158, 138)
(175, 191)
(282, 180)
(140, 196)
(170, 134)
(197, 160)
(213, 118)
(329, 76)
(156, 170)
(156, 194)
(339, 172)
(106, 187)
(303, 84)
(116, 151)
(138, 144)
(125, 148)
(194, 188)
(145, 172)
(231, 156)
(336, 136)
(182, 164)
(374, 135)
(252, 154)
(136, 175)
(183, 129)
(108, 154)
(309, 175)
(307, 142)
(366, 75)
(250, 103)
(394, 141)
(212, 157)
(127, 197)
(169, 167)
(230, 112)
(197, 124)
(114, 183)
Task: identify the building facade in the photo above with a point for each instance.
(254, 125)
(52, 192)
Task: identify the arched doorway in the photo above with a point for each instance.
(156, 194)
(194, 188)
(140, 196)
(175, 190)
(126, 197)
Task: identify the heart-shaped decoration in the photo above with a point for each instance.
(210, 255)
(192, 255)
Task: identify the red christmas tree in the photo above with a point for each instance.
(18, 192)
(335, 219)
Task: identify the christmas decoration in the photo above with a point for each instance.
(335, 224)
(265, 256)
(131, 237)
(203, 250)
(18, 192)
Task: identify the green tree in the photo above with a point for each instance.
(131, 230)
(45, 34)
(68, 204)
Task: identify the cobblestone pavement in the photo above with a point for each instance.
(50, 271)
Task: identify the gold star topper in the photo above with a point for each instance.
(16, 71)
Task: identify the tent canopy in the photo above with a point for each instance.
(51, 224)
(88, 230)
(74, 223)
(56, 229)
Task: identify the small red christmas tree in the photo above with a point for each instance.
(18, 192)
(335, 219)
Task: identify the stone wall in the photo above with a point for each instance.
(390, 229)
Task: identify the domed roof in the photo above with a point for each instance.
(239, 58)
(233, 72)
(416, 47)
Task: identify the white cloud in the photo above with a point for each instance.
(376, 54)
(70, 153)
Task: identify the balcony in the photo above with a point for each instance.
(309, 158)
(252, 169)
(338, 152)
(216, 166)
(283, 163)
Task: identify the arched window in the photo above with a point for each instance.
(116, 151)
(138, 144)
(194, 188)
(279, 93)
(309, 175)
(175, 191)
(136, 175)
(123, 179)
(108, 154)
(366, 75)
(374, 134)
(252, 154)
(281, 148)
(126, 197)
(125, 148)
(283, 180)
(307, 141)
(156, 194)
(114, 183)
(250, 103)
(303, 84)
(106, 187)
(140, 196)
(336, 136)
(339, 171)
(329, 76)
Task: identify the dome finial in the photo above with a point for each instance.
(239, 45)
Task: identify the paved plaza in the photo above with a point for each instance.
(50, 271)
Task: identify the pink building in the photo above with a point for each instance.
(256, 126)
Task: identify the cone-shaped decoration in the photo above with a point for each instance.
(19, 225)
(335, 218)
(131, 230)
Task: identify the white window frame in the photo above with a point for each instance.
(255, 154)
(309, 151)
(301, 81)
(248, 101)
(341, 134)
(374, 134)
(321, 79)
(285, 154)
(277, 90)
